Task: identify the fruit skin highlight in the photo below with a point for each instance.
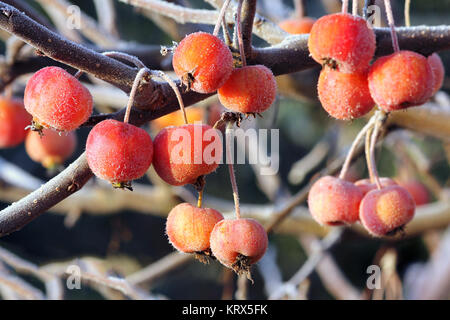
(203, 62)
(333, 201)
(57, 99)
(344, 96)
(184, 153)
(437, 67)
(118, 152)
(401, 80)
(238, 243)
(385, 211)
(250, 89)
(189, 227)
(51, 148)
(297, 25)
(13, 121)
(342, 42)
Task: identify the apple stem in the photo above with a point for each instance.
(355, 7)
(391, 22)
(173, 85)
(231, 170)
(222, 12)
(125, 56)
(239, 33)
(78, 74)
(140, 75)
(344, 6)
(200, 198)
(353, 147)
(407, 11)
(299, 6)
(226, 33)
(371, 140)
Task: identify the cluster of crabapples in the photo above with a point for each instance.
(56, 103)
(349, 87)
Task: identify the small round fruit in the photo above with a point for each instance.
(56, 99)
(189, 227)
(118, 152)
(202, 62)
(333, 201)
(238, 243)
(296, 25)
(386, 211)
(250, 89)
(365, 185)
(343, 42)
(13, 120)
(50, 148)
(401, 80)
(437, 67)
(184, 153)
(344, 96)
(193, 114)
(417, 191)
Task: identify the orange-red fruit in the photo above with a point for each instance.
(13, 120)
(118, 152)
(437, 67)
(297, 26)
(343, 42)
(203, 62)
(189, 227)
(57, 99)
(401, 80)
(385, 211)
(344, 96)
(417, 191)
(250, 89)
(333, 201)
(238, 243)
(184, 153)
(52, 148)
(365, 185)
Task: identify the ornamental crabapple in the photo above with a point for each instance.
(57, 100)
(333, 201)
(189, 227)
(50, 148)
(118, 152)
(250, 89)
(343, 42)
(238, 243)
(13, 121)
(184, 153)
(203, 62)
(401, 80)
(344, 96)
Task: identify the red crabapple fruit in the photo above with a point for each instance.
(365, 185)
(50, 148)
(401, 80)
(13, 120)
(386, 211)
(238, 243)
(297, 25)
(437, 67)
(189, 227)
(343, 42)
(184, 153)
(56, 99)
(333, 201)
(203, 62)
(417, 191)
(250, 89)
(344, 96)
(118, 152)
